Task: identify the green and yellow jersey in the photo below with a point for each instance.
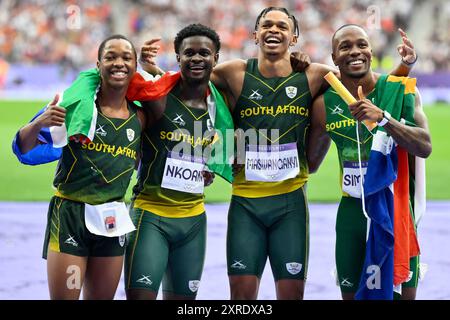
(100, 171)
(341, 127)
(280, 103)
(184, 131)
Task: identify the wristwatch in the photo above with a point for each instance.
(386, 118)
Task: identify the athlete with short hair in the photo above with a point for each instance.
(168, 210)
(331, 118)
(87, 218)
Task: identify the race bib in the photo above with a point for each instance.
(183, 174)
(351, 179)
(110, 219)
(271, 163)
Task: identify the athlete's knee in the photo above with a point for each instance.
(241, 293)
(173, 296)
(96, 294)
(244, 287)
(140, 294)
(290, 289)
(348, 296)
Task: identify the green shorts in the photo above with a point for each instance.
(276, 227)
(351, 228)
(167, 250)
(66, 232)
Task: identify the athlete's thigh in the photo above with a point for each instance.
(289, 242)
(65, 275)
(351, 226)
(186, 259)
(146, 254)
(102, 277)
(246, 241)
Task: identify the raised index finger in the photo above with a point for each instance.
(405, 38)
(151, 41)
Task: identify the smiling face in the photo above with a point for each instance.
(352, 52)
(197, 57)
(117, 63)
(275, 33)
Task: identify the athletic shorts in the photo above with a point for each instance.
(276, 227)
(167, 250)
(66, 232)
(351, 227)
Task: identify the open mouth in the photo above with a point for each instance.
(272, 41)
(118, 74)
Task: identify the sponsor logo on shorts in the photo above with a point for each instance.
(294, 267)
(193, 285)
(145, 280)
(238, 265)
(122, 240)
(346, 283)
(70, 240)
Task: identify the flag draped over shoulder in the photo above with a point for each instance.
(81, 117)
(81, 112)
(79, 102)
(392, 240)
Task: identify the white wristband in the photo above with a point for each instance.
(386, 118)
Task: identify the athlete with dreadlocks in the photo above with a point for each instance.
(268, 215)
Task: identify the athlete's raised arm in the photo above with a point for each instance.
(52, 116)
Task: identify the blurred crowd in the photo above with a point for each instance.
(68, 32)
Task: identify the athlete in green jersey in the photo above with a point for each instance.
(169, 244)
(84, 243)
(332, 118)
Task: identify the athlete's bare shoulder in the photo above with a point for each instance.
(227, 71)
(319, 69)
(315, 73)
(228, 77)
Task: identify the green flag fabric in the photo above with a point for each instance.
(222, 155)
(81, 113)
